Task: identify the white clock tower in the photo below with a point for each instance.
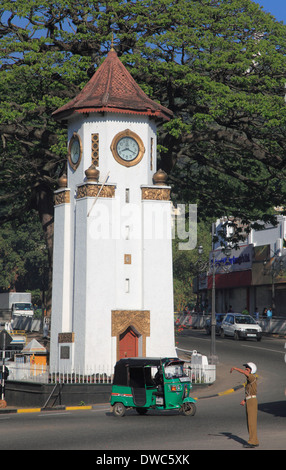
(112, 278)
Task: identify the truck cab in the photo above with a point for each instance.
(22, 309)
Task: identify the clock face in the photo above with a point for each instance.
(127, 148)
(74, 151)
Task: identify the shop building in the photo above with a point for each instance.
(255, 274)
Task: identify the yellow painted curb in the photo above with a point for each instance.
(29, 410)
(38, 410)
(78, 408)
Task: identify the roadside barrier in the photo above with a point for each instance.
(275, 326)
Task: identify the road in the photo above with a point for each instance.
(219, 423)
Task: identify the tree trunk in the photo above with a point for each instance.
(45, 207)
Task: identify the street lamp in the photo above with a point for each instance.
(276, 269)
(213, 267)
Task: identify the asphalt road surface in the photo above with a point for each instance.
(219, 423)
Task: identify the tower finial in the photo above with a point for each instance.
(112, 42)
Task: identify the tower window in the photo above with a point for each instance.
(127, 195)
(127, 286)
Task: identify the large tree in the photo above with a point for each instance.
(23, 257)
(219, 65)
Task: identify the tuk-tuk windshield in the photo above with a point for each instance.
(174, 371)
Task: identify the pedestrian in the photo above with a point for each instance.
(256, 314)
(245, 311)
(269, 313)
(264, 314)
(250, 401)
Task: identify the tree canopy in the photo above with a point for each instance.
(219, 65)
(23, 256)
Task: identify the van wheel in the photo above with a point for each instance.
(222, 333)
(119, 409)
(189, 409)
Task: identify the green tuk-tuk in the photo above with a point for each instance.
(151, 383)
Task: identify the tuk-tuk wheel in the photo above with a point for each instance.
(189, 409)
(119, 409)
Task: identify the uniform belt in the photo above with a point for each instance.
(250, 396)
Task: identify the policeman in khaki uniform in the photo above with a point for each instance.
(250, 401)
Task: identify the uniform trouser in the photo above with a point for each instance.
(251, 415)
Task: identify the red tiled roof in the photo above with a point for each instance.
(113, 89)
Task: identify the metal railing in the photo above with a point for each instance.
(37, 373)
(199, 374)
(99, 374)
(28, 372)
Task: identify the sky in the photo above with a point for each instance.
(277, 8)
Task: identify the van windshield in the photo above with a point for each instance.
(245, 320)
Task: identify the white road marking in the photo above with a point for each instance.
(263, 349)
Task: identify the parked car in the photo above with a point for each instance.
(218, 318)
(240, 326)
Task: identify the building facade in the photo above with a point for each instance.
(255, 276)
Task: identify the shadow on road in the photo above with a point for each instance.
(235, 438)
(276, 408)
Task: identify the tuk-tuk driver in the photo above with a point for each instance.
(159, 377)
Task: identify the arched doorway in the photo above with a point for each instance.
(128, 343)
(124, 321)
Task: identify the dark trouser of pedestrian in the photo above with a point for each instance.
(251, 415)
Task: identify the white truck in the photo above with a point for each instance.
(15, 304)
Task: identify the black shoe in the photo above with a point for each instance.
(250, 446)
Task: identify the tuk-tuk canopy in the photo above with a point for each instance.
(122, 366)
